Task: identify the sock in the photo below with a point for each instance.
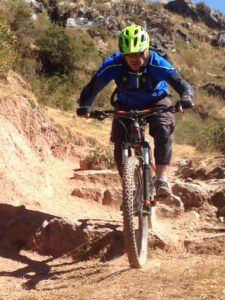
(162, 178)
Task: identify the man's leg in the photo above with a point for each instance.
(162, 154)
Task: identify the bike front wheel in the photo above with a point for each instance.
(135, 220)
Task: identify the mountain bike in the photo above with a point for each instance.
(137, 180)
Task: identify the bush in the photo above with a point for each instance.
(56, 51)
(22, 24)
(84, 47)
(101, 158)
(7, 50)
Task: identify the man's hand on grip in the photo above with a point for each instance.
(184, 103)
(84, 111)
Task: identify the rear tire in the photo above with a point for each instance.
(134, 221)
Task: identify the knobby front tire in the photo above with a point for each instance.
(134, 222)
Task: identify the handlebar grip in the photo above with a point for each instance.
(98, 114)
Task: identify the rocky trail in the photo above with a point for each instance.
(61, 227)
(186, 255)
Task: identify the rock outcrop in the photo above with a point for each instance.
(200, 12)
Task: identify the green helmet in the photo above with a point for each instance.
(133, 39)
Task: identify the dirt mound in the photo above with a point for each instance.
(29, 139)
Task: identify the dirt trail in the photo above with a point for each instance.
(175, 274)
(166, 276)
(31, 176)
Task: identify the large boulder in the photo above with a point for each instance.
(184, 7)
(220, 40)
(191, 194)
(185, 169)
(55, 236)
(218, 198)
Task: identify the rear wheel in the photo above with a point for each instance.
(135, 220)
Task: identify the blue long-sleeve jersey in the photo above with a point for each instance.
(155, 73)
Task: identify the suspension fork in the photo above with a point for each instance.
(125, 152)
(146, 163)
(146, 171)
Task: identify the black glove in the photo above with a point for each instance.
(184, 104)
(83, 110)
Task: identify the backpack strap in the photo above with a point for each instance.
(122, 81)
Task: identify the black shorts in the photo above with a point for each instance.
(119, 129)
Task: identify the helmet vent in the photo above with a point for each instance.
(133, 39)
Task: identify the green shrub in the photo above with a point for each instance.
(56, 51)
(22, 24)
(7, 47)
(84, 47)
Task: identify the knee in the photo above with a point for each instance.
(163, 145)
(162, 134)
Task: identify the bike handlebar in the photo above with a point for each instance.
(103, 114)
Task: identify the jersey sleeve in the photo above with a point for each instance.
(161, 68)
(108, 71)
(110, 68)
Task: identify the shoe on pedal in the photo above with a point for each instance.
(162, 189)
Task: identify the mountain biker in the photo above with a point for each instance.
(141, 77)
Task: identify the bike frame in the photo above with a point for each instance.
(136, 139)
(142, 151)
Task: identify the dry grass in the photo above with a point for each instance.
(202, 63)
(89, 130)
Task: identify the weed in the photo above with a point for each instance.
(101, 158)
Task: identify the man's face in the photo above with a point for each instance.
(136, 60)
